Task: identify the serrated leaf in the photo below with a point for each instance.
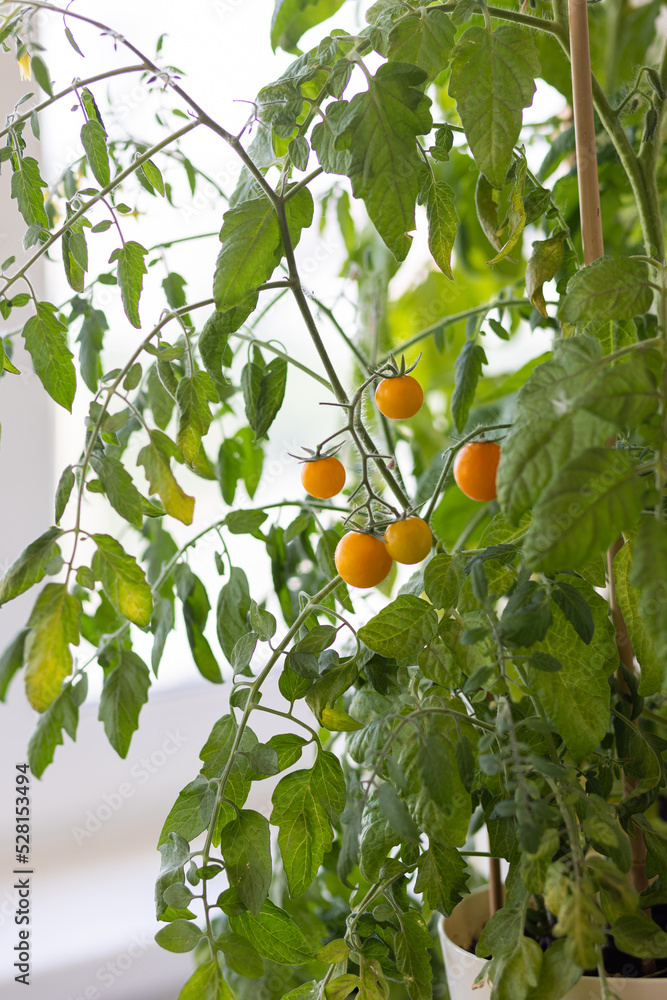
(423, 40)
(30, 567)
(91, 338)
(193, 395)
(468, 368)
(154, 178)
(609, 288)
(443, 223)
(516, 216)
(493, 80)
(130, 272)
(155, 458)
(192, 811)
(270, 396)
(54, 626)
(252, 245)
(245, 844)
(411, 944)
(546, 258)
(273, 934)
(214, 337)
(324, 138)
(62, 713)
(379, 128)
(123, 580)
(397, 814)
(402, 628)
(593, 497)
(443, 579)
(626, 394)
(94, 140)
(549, 428)
(304, 805)
(46, 341)
(125, 691)
(26, 188)
(442, 877)
(232, 610)
(575, 608)
(63, 493)
(206, 983)
(11, 662)
(640, 936)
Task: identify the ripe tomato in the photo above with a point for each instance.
(323, 477)
(362, 560)
(475, 468)
(399, 397)
(408, 541)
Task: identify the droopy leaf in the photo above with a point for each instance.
(123, 580)
(54, 626)
(125, 691)
(46, 341)
(130, 272)
(546, 258)
(155, 458)
(30, 567)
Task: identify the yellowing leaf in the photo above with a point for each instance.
(155, 458)
(54, 625)
(123, 580)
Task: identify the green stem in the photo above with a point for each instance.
(98, 197)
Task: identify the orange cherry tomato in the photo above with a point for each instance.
(399, 397)
(475, 468)
(408, 541)
(323, 477)
(362, 560)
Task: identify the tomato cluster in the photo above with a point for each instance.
(364, 560)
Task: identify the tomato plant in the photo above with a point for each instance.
(514, 680)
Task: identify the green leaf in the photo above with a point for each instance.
(11, 661)
(626, 394)
(411, 945)
(492, 80)
(31, 565)
(125, 691)
(270, 396)
(468, 368)
(54, 626)
(196, 607)
(593, 497)
(154, 178)
(121, 492)
(443, 223)
(232, 610)
(155, 458)
(273, 934)
(397, 814)
(214, 338)
(291, 18)
(577, 697)
(131, 271)
(63, 493)
(549, 428)
(193, 395)
(443, 579)
(245, 844)
(262, 622)
(545, 260)
(179, 936)
(324, 139)
(442, 877)
(424, 40)
(240, 955)
(649, 576)
(607, 289)
(304, 805)
(94, 141)
(91, 338)
(516, 217)
(123, 580)
(41, 74)
(379, 128)
(63, 713)
(575, 608)
(26, 188)
(206, 983)
(46, 341)
(192, 811)
(640, 936)
(558, 972)
(641, 635)
(252, 245)
(611, 334)
(402, 628)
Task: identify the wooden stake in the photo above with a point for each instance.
(584, 132)
(495, 886)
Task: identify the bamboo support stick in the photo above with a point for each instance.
(584, 132)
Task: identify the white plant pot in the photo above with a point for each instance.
(464, 926)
